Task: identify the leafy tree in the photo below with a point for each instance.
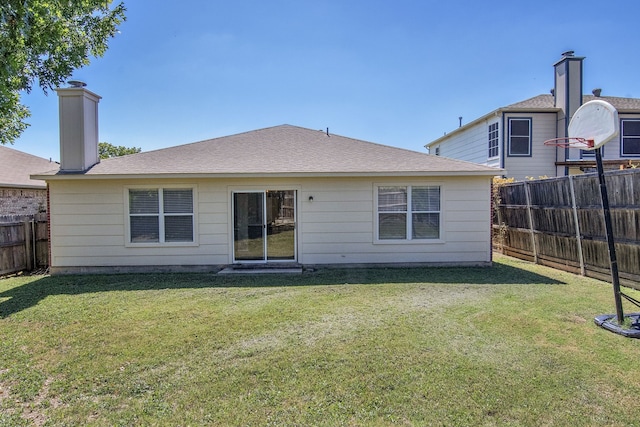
(42, 42)
(106, 150)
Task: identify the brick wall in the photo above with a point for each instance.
(22, 201)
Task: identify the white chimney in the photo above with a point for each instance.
(78, 128)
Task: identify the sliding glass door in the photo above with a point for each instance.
(264, 226)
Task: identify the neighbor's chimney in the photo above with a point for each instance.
(78, 127)
(567, 89)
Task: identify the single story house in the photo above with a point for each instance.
(512, 137)
(281, 195)
(20, 195)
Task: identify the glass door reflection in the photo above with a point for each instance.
(264, 226)
(248, 226)
(281, 225)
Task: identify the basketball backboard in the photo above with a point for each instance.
(595, 121)
(593, 124)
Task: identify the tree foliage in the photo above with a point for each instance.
(106, 150)
(42, 42)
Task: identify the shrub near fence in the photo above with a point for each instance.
(559, 222)
(24, 243)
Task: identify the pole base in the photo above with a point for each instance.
(610, 323)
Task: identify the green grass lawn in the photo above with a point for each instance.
(510, 345)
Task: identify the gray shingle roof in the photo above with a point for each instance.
(540, 102)
(282, 151)
(16, 168)
(543, 102)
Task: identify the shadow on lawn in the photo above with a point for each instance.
(28, 295)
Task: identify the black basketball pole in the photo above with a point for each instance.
(610, 240)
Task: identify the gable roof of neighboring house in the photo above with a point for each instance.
(545, 104)
(16, 168)
(278, 151)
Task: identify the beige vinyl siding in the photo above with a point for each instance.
(543, 157)
(88, 223)
(88, 228)
(613, 148)
(338, 226)
(463, 200)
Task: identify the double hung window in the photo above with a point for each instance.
(519, 137)
(408, 212)
(630, 130)
(494, 147)
(161, 215)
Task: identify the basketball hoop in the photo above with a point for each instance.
(592, 125)
(597, 123)
(572, 142)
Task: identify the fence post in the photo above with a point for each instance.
(574, 209)
(34, 242)
(28, 253)
(495, 202)
(527, 193)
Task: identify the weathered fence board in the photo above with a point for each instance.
(546, 210)
(23, 243)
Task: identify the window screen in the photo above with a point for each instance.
(161, 215)
(519, 137)
(630, 138)
(408, 212)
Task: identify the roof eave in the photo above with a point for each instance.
(28, 186)
(65, 177)
(494, 113)
(465, 127)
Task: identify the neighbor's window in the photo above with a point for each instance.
(408, 212)
(161, 215)
(630, 131)
(493, 140)
(519, 137)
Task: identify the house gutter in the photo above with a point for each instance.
(27, 186)
(74, 177)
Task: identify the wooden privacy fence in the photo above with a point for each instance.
(24, 243)
(559, 222)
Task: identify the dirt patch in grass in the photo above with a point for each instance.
(345, 323)
(33, 410)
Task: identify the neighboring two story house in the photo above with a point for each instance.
(512, 137)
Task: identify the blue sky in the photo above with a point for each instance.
(395, 72)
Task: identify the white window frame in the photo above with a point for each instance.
(409, 240)
(161, 215)
(529, 136)
(494, 140)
